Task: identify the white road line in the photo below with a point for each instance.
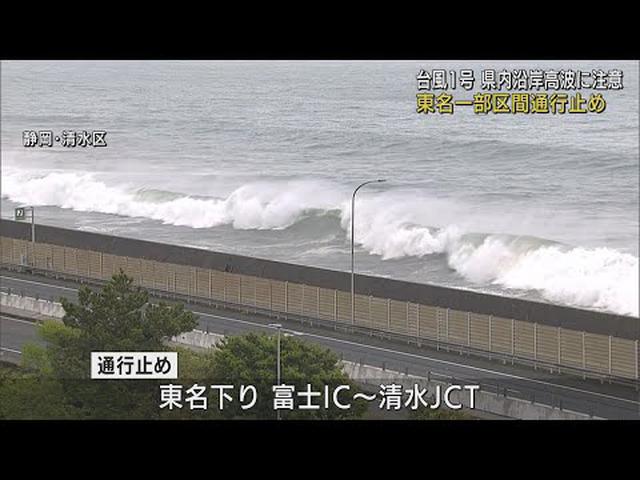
(39, 283)
(11, 350)
(388, 350)
(18, 320)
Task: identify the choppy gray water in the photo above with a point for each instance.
(260, 158)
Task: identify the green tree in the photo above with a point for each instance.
(442, 413)
(194, 368)
(119, 317)
(25, 395)
(251, 360)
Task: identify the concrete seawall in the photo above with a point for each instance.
(457, 299)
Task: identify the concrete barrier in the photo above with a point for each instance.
(198, 338)
(503, 406)
(12, 303)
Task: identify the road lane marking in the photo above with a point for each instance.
(11, 350)
(382, 349)
(18, 320)
(50, 285)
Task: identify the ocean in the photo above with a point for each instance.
(261, 158)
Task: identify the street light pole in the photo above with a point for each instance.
(353, 227)
(279, 328)
(278, 360)
(33, 236)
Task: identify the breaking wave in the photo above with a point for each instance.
(390, 225)
(601, 278)
(259, 206)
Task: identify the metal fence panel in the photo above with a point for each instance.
(623, 358)
(412, 319)
(161, 278)
(120, 264)
(58, 258)
(263, 293)
(247, 290)
(6, 250)
(19, 252)
(524, 339)
(108, 262)
(182, 278)
(442, 316)
(547, 343)
(217, 285)
(501, 338)
(82, 258)
(146, 268)
(203, 289)
(95, 264)
(398, 317)
(362, 313)
(427, 322)
(134, 269)
(278, 296)
(44, 256)
(571, 351)
(479, 335)
(379, 313)
(327, 304)
(294, 298)
(457, 327)
(310, 301)
(597, 352)
(232, 287)
(344, 307)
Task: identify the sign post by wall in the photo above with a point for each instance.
(20, 214)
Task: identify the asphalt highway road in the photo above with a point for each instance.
(559, 390)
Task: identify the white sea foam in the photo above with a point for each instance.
(598, 277)
(389, 225)
(585, 277)
(260, 205)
